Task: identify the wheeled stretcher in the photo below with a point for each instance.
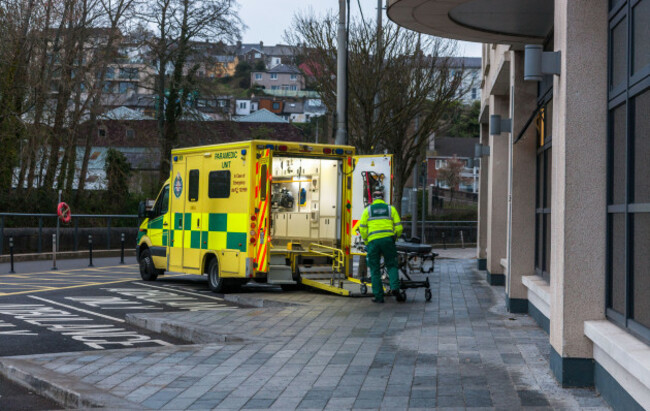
(411, 257)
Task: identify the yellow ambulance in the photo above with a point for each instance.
(268, 211)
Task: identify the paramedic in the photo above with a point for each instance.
(380, 226)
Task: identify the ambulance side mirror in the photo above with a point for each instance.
(142, 210)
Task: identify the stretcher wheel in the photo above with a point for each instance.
(363, 289)
(427, 294)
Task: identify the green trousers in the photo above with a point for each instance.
(376, 248)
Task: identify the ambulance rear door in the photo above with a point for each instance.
(369, 171)
(262, 204)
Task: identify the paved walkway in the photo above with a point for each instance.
(310, 350)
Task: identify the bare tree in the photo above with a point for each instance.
(452, 175)
(398, 94)
(178, 24)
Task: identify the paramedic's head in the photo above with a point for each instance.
(378, 192)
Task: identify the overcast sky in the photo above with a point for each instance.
(267, 20)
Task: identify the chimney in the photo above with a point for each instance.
(238, 46)
(261, 46)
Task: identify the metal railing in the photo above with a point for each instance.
(74, 229)
(445, 233)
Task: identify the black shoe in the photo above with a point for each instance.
(374, 300)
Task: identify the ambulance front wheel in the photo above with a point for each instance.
(148, 271)
(216, 283)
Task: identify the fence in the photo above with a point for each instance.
(445, 233)
(71, 237)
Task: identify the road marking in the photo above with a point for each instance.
(112, 303)
(180, 291)
(173, 298)
(77, 309)
(96, 336)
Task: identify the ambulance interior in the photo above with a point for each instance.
(305, 201)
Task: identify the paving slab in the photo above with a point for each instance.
(311, 350)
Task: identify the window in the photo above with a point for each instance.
(243, 104)
(258, 55)
(263, 183)
(274, 76)
(628, 170)
(294, 77)
(130, 133)
(162, 204)
(219, 184)
(125, 86)
(110, 73)
(543, 178)
(129, 73)
(258, 76)
(101, 132)
(276, 105)
(275, 87)
(474, 93)
(193, 186)
(293, 88)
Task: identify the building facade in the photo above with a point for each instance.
(280, 77)
(564, 198)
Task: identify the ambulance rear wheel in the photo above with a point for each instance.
(148, 271)
(216, 283)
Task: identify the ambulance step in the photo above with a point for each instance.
(278, 259)
(280, 274)
(315, 269)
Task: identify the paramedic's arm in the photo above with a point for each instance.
(397, 223)
(363, 226)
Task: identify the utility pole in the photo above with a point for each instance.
(414, 197)
(379, 55)
(341, 79)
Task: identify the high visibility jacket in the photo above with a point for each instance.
(379, 220)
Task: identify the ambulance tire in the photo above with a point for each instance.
(216, 283)
(148, 271)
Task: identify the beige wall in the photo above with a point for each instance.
(497, 208)
(578, 222)
(521, 234)
(481, 243)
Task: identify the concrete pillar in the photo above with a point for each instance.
(522, 183)
(578, 222)
(481, 235)
(497, 207)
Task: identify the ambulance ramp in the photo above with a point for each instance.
(323, 277)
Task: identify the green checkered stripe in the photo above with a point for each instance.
(216, 237)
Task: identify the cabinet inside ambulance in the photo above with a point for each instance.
(305, 201)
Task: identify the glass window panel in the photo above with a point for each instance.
(641, 35)
(540, 241)
(618, 155)
(642, 148)
(540, 180)
(164, 207)
(193, 190)
(219, 184)
(618, 67)
(547, 246)
(548, 121)
(641, 268)
(548, 169)
(617, 252)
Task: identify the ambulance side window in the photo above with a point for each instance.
(263, 183)
(193, 189)
(162, 205)
(219, 184)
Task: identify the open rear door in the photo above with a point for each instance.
(368, 171)
(262, 210)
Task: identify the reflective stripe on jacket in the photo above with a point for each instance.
(379, 220)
